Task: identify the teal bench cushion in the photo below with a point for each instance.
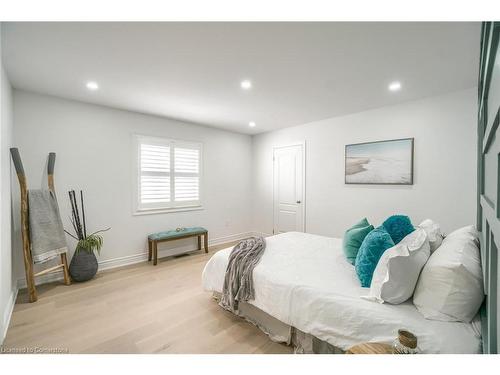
(174, 234)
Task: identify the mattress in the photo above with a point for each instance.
(304, 280)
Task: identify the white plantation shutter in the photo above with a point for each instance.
(155, 174)
(187, 178)
(169, 174)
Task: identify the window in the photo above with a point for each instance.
(168, 174)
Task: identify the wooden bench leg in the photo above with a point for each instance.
(155, 251)
(206, 242)
(199, 242)
(150, 250)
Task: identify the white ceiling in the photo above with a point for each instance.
(301, 72)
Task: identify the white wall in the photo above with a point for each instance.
(7, 286)
(444, 187)
(93, 146)
(95, 153)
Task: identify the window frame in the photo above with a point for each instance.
(172, 206)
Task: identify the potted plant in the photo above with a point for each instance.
(84, 264)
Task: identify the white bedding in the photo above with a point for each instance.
(304, 280)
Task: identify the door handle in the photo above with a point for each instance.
(298, 202)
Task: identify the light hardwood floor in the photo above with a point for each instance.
(136, 309)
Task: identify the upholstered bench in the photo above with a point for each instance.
(176, 234)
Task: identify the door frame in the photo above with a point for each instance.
(303, 202)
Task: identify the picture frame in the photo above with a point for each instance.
(386, 162)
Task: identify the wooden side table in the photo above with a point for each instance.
(370, 348)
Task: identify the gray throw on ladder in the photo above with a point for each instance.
(46, 230)
(238, 280)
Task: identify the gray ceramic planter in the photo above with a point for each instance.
(83, 266)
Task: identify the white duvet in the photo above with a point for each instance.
(304, 280)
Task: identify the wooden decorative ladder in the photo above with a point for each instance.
(25, 233)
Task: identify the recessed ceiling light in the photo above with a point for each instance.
(252, 124)
(246, 84)
(91, 85)
(395, 86)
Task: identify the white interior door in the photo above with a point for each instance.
(289, 182)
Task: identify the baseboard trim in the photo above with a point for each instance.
(262, 234)
(7, 315)
(141, 257)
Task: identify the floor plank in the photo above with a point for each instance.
(136, 309)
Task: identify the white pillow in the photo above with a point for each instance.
(434, 234)
(450, 287)
(468, 231)
(397, 271)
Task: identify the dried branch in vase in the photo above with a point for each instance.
(90, 243)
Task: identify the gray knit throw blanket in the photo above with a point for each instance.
(238, 281)
(46, 229)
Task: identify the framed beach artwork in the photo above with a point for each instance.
(383, 162)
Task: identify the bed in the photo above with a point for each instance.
(304, 287)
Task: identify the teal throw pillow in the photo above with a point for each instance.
(372, 248)
(353, 238)
(398, 227)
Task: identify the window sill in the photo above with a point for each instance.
(166, 210)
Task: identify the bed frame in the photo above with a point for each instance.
(488, 180)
